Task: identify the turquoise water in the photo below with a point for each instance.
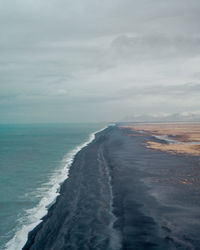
(34, 159)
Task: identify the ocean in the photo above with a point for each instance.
(34, 161)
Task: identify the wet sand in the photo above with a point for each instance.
(122, 195)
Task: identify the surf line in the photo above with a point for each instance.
(33, 216)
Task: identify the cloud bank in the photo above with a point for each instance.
(91, 60)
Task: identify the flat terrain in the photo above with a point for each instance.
(121, 195)
(182, 138)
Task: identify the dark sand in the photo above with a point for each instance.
(121, 195)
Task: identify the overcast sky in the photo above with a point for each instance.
(98, 60)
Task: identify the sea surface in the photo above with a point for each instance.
(34, 161)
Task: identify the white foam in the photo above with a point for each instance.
(50, 192)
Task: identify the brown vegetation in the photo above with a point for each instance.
(175, 148)
(183, 133)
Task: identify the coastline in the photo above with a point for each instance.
(121, 195)
(36, 214)
(73, 193)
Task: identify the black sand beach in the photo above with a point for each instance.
(121, 195)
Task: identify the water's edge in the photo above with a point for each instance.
(111, 200)
(37, 214)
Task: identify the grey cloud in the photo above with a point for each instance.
(96, 57)
(156, 46)
(183, 90)
(165, 117)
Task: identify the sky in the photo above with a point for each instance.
(98, 60)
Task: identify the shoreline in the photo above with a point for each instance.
(121, 195)
(33, 233)
(49, 199)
